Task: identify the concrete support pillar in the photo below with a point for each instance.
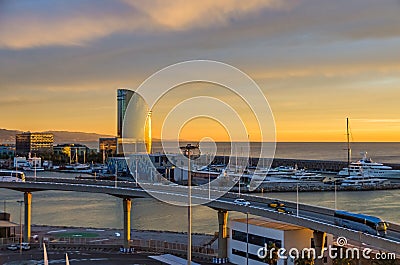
(319, 244)
(27, 216)
(223, 234)
(127, 221)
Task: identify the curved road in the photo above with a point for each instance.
(312, 217)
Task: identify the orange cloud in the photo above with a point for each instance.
(33, 31)
(182, 14)
(25, 30)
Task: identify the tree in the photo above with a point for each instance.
(271, 256)
(305, 260)
(67, 150)
(343, 261)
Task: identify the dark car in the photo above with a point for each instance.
(13, 247)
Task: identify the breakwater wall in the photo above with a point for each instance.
(323, 165)
(310, 186)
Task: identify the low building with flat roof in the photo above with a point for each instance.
(6, 225)
(247, 236)
(75, 152)
(7, 150)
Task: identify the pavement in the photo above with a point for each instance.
(107, 235)
(35, 257)
(95, 256)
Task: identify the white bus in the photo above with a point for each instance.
(12, 176)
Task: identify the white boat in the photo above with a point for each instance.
(286, 169)
(32, 168)
(363, 181)
(76, 168)
(278, 171)
(367, 166)
(303, 175)
(99, 168)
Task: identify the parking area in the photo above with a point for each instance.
(35, 257)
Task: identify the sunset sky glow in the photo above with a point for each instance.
(316, 61)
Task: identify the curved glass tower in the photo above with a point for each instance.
(134, 123)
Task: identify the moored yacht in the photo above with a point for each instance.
(303, 175)
(367, 166)
(363, 181)
(278, 171)
(33, 168)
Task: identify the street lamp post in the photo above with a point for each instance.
(191, 152)
(247, 238)
(35, 167)
(297, 199)
(116, 173)
(335, 195)
(20, 226)
(239, 185)
(209, 180)
(136, 165)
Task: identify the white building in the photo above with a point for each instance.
(20, 161)
(263, 231)
(34, 162)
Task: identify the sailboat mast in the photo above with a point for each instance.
(348, 146)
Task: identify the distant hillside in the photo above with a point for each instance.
(8, 136)
(76, 137)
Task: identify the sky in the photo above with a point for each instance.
(317, 62)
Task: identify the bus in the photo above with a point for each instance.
(12, 176)
(361, 222)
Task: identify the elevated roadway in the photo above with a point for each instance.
(315, 218)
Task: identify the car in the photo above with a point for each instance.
(276, 204)
(25, 246)
(13, 247)
(283, 210)
(242, 202)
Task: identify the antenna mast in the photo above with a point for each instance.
(348, 146)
